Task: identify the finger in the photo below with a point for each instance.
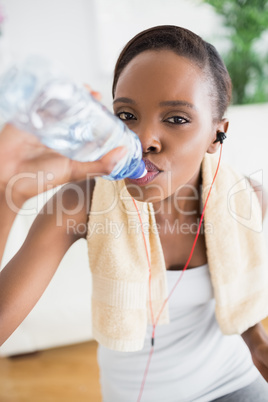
(101, 167)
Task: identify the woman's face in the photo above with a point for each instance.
(164, 98)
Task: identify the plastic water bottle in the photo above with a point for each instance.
(66, 117)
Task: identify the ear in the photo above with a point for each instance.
(221, 126)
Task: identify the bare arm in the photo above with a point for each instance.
(256, 337)
(7, 217)
(26, 276)
(28, 168)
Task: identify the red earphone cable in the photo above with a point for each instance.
(154, 323)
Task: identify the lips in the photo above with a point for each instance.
(152, 172)
(150, 166)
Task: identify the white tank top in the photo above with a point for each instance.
(192, 361)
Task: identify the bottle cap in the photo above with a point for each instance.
(139, 172)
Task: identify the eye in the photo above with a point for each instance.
(126, 116)
(176, 120)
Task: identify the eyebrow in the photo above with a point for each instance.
(177, 103)
(124, 100)
(164, 103)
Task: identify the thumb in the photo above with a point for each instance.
(110, 159)
(103, 166)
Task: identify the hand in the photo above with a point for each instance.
(29, 167)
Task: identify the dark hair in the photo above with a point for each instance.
(184, 43)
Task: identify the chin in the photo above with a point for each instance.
(151, 193)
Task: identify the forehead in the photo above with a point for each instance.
(162, 75)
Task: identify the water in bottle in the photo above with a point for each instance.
(66, 118)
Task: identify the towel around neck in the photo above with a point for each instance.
(236, 254)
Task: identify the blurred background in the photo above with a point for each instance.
(85, 38)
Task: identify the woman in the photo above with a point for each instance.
(172, 89)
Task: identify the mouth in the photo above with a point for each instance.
(152, 172)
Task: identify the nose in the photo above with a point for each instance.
(149, 139)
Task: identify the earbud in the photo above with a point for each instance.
(220, 137)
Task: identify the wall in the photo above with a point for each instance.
(85, 36)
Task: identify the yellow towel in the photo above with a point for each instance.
(235, 249)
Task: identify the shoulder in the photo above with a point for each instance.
(261, 194)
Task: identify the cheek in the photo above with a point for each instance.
(184, 162)
(190, 139)
(186, 151)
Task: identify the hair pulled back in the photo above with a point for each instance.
(187, 44)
